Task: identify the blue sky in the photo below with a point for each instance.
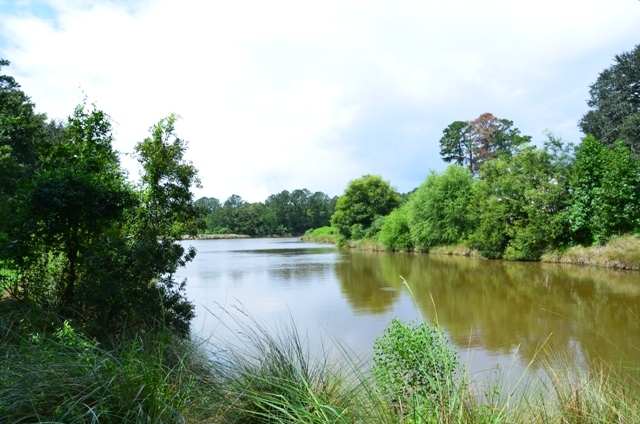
(287, 94)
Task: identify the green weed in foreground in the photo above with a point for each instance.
(414, 360)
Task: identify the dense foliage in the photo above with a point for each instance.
(605, 184)
(438, 209)
(365, 201)
(395, 233)
(522, 205)
(414, 360)
(82, 241)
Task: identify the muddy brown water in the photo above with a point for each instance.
(499, 314)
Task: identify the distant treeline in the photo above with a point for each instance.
(285, 213)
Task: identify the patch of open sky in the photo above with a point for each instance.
(40, 9)
(48, 10)
(37, 8)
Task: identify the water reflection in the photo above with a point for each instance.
(502, 307)
(366, 286)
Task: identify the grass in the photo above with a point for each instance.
(61, 376)
(321, 235)
(460, 249)
(367, 244)
(570, 393)
(50, 373)
(622, 252)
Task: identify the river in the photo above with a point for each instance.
(501, 315)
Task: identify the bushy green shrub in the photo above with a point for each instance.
(375, 227)
(438, 209)
(413, 361)
(364, 201)
(219, 230)
(322, 231)
(395, 233)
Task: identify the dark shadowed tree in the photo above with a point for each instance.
(615, 103)
(78, 190)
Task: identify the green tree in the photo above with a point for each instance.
(456, 144)
(364, 200)
(144, 255)
(438, 209)
(227, 215)
(299, 210)
(208, 207)
(21, 130)
(472, 143)
(20, 126)
(85, 240)
(605, 188)
(518, 206)
(208, 204)
(615, 103)
(320, 207)
(78, 190)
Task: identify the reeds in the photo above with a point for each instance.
(67, 378)
(266, 374)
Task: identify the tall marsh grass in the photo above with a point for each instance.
(61, 376)
(266, 374)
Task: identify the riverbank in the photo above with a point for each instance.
(620, 253)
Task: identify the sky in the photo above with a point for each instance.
(282, 95)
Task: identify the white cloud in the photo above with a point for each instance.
(285, 94)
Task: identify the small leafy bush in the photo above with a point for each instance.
(395, 233)
(414, 361)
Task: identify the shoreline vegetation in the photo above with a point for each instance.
(268, 375)
(619, 253)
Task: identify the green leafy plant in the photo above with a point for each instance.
(414, 361)
(395, 233)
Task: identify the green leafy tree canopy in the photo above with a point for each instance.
(364, 200)
(615, 103)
